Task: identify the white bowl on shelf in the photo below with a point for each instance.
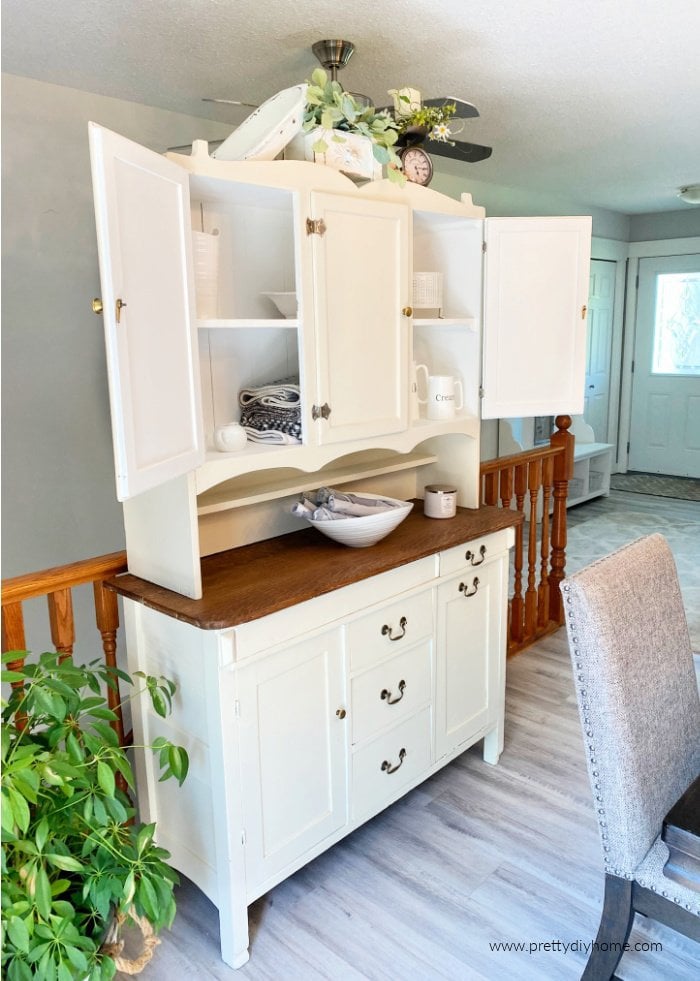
(361, 532)
(286, 303)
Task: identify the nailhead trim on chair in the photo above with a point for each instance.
(592, 750)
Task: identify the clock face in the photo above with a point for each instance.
(417, 165)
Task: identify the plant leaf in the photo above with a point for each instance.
(42, 892)
(18, 933)
(105, 778)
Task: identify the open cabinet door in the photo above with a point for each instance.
(536, 274)
(142, 212)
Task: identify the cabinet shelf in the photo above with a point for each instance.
(247, 324)
(240, 491)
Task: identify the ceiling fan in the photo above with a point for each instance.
(335, 54)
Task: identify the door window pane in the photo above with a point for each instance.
(677, 324)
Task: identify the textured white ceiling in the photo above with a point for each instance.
(598, 99)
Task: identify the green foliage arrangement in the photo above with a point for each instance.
(434, 120)
(72, 857)
(331, 108)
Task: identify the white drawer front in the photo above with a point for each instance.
(474, 554)
(382, 768)
(386, 631)
(391, 691)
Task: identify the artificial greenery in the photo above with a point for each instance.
(433, 120)
(72, 856)
(332, 108)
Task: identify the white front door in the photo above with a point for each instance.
(601, 302)
(142, 211)
(665, 422)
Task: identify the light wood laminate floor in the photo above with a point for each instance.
(475, 856)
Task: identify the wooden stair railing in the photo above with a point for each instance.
(531, 481)
(56, 585)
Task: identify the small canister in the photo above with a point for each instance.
(440, 501)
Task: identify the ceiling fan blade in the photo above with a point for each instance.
(468, 152)
(231, 102)
(465, 110)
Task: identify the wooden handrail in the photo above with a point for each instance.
(56, 584)
(531, 481)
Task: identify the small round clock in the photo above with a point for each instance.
(417, 165)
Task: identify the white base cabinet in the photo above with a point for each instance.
(295, 743)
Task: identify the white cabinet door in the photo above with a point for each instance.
(293, 753)
(142, 212)
(536, 275)
(469, 646)
(361, 284)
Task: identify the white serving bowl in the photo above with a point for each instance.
(286, 303)
(367, 530)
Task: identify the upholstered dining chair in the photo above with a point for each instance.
(640, 714)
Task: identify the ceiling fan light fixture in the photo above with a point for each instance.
(690, 193)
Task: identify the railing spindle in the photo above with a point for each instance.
(61, 621)
(563, 472)
(543, 588)
(107, 618)
(541, 475)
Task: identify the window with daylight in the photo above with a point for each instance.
(677, 324)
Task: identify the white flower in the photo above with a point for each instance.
(440, 132)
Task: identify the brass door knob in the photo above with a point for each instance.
(407, 311)
(341, 713)
(97, 305)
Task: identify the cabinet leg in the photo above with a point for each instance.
(234, 947)
(493, 744)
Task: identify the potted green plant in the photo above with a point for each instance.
(341, 128)
(73, 857)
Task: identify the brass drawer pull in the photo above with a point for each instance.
(470, 556)
(385, 694)
(388, 768)
(464, 588)
(386, 629)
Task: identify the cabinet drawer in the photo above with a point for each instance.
(383, 767)
(473, 554)
(389, 629)
(391, 691)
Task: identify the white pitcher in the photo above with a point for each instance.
(442, 402)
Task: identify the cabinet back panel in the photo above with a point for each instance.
(256, 255)
(236, 359)
(452, 246)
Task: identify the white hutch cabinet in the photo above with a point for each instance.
(317, 684)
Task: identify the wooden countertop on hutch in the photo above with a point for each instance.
(253, 581)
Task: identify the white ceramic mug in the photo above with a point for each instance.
(230, 438)
(441, 402)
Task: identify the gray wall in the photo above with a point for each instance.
(59, 500)
(666, 224)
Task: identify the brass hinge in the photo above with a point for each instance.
(482, 393)
(315, 226)
(483, 246)
(584, 311)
